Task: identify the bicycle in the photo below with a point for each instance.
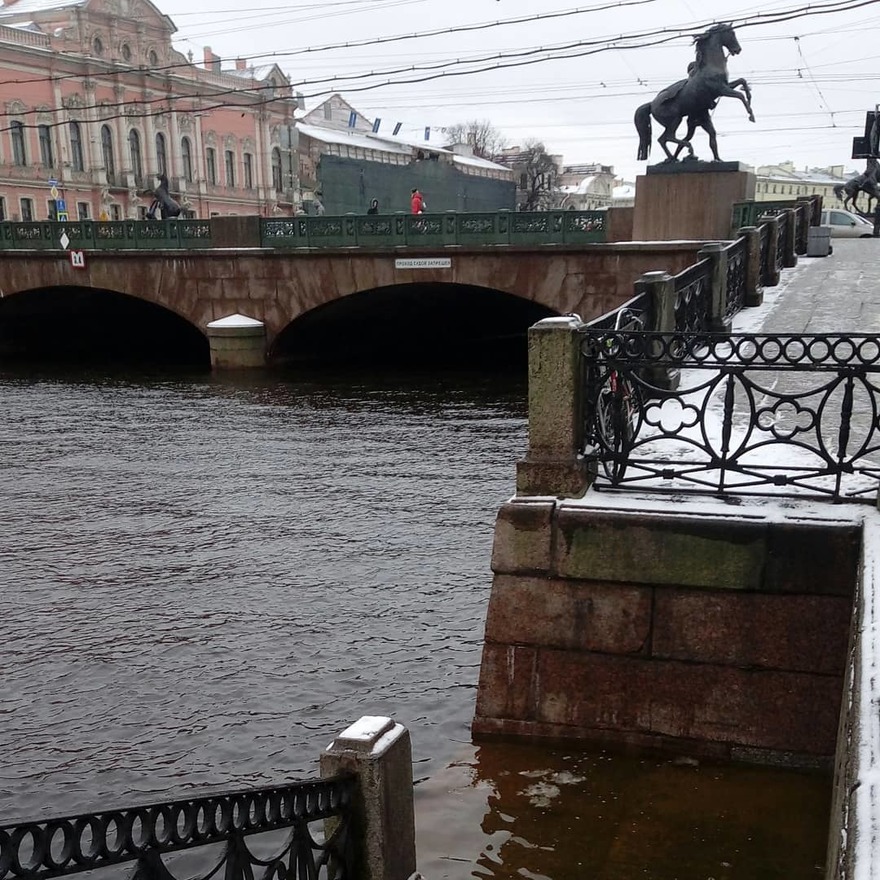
(617, 404)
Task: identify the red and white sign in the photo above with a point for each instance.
(78, 259)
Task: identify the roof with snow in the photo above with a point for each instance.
(477, 162)
(24, 7)
(264, 71)
(351, 138)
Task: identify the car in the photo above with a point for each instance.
(845, 224)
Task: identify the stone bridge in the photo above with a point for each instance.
(278, 287)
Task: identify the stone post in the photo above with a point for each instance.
(553, 464)
(717, 253)
(661, 287)
(805, 218)
(789, 259)
(378, 750)
(770, 278)
(754, 290)
(237, 343)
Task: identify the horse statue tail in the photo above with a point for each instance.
(839, 191)
(643, 127)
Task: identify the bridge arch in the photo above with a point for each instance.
(431, 322)
(84, 324)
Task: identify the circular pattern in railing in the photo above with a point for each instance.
(80, 843)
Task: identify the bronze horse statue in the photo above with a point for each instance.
(163, 204)
(694, 97)
(866, 182)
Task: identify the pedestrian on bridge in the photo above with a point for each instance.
(374, 207)
(417, 203)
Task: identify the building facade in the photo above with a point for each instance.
(97, 103)
(784, 181)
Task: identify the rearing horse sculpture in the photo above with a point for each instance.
(866, 182)
(695, 96)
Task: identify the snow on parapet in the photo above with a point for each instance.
(236, 321)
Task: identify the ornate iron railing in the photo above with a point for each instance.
(426, 230)
(73, 844)
(748, 213)
(737, 264)
(767, 257)
(782, 220)
(106, 235)
(751, 414)
(693, 292)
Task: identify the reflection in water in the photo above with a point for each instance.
(541, 812)
(205, 579)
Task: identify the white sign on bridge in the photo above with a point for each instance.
(423, 263)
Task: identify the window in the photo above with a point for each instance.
(328, 111)
(186, 156)
(27, 210)
(161, 154)
(115, 212)
(211, 162)
(153, 58)
(126, 52)
(47, 154)
(51, 209)
(277, 176)
(2, 208)
(230, 168)
(83, 210)
(98, 46)
(19, 155)
(107, 153)
(248, 171)
(134, 149)
(76, 147)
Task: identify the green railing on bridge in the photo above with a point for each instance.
(106, 235)
(748, 213)
(436, 230)
(349, 230)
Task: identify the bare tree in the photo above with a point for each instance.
(538, 173)
(480, 134)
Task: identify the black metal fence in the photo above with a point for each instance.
(318, 814)
(750, 414)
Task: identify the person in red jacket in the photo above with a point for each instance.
(417, 203)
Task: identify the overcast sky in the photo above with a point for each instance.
(813, 76)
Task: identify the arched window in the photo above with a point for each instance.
(126, 52)
(153, 58)
(47, 153)
(76, 147)
(107, 153)
(230, 168)
(277, 176)
(19, 153)
(161, 154)
(186, 155)
(134, 149)
(211, 165)
(98, 46)
(248, 171)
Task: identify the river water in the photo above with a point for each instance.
(206, 578)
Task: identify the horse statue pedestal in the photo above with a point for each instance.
(689, 200)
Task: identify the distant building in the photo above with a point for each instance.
(98, 102)
(536, 175)
(774, 182)
(586, 187)
(348, 160)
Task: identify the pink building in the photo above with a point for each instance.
(96, 103)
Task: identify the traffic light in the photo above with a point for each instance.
(868, 146)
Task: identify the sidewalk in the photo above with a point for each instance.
(835, 294)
